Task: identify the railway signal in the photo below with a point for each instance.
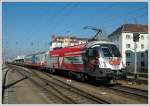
(136, 37)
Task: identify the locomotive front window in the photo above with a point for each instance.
(110, 50)
(106, 52)
(115, 51)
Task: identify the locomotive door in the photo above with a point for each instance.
(90, 58)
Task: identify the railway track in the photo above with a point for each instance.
(131, 94)
(52, 96)
(69, 88)
(4, 81)
(131, 91)
(119, 88)
(64, 88)
(62, 91)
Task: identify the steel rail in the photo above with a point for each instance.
(71, 88)
(80, 92)
(3, 83)
(44, 88)
(131, 91)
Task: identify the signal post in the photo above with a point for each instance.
(136, 37)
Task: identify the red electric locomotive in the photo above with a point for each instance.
(98, 60)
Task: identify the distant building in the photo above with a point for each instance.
(19, 59)
(64, 41)
(123, 38)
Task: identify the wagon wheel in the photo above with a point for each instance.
(71, 76)
(52, 71)
(83, 77)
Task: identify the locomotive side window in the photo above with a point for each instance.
(75, 60)
(67, 60)
(93, 52)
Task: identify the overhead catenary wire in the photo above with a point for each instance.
(66, 15)
(55, 21)
(118, 15)
(74, 7)
(130, 18)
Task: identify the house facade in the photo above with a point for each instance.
(123, 38)
(64, 41)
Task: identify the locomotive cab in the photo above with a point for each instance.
(104, 61)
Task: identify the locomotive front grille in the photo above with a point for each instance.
(106, 71)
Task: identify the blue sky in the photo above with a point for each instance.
(27, 26)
